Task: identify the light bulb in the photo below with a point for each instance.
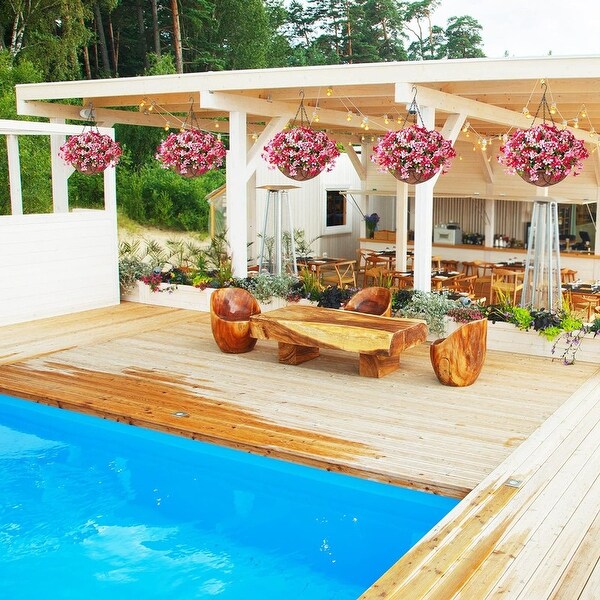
(349, 117)
(151, 107)
(399, 120)
(466, 126)
(167, 126)
(460, 157)
(329, 91)
(386, 119)
(583, 113)
(553, 108)
(576, 123)
(484, 144)
(217, 125)
(254, 136)
(315, 116)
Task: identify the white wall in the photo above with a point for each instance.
(307, 204)
(57, 264)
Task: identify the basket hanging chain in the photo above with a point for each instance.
(91, 116)
(302, 112)
(190, 121)
(543, 105)
(413, 109)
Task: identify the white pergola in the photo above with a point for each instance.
(464, 99)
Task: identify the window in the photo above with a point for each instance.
(336, 212)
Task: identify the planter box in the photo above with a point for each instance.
(187, 296)
(505, 337)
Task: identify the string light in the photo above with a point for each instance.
(167, 126)
(349, 116)
(583, 112)
(315, 116)
(553, 108)
(386, 119)
(466, 126)
(329, 91)
(576, 123)
(217, 124)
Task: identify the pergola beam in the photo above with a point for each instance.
(478, 110)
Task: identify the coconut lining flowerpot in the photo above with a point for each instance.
(542, 179)
(299, 175)
(413, 177)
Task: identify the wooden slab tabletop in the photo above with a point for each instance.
(332, 328)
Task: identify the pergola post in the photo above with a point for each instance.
(401, 224)
(60, 172)
(237, 197)
(14, 174)
(424, 219)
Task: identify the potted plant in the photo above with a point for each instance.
(543, 155)
(371, 224)
(301, 153)
(191, 152)
(413, 154)
(90, 152)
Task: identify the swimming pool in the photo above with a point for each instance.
(97, 509)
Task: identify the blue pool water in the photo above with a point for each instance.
(97, 509)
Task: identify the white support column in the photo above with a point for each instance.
(490, 222)
(60, 172)
(424, 219)
(401, 224)
(237, 211)
(14, 174)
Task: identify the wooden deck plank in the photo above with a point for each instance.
(520, 420)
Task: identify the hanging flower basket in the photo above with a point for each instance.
(543, 155)
(413, 154)
(301, 153)
(191, 153)
(90, 152)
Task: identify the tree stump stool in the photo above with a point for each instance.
(458, 359)
(230, 312)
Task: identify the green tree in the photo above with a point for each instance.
(34, 150)
(463, 38)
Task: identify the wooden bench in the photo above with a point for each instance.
(302, 330)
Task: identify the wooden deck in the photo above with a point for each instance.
(142, 364)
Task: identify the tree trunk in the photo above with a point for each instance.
(101, 38)
(142, 31)
(155, 29)
(113, 47)
(177, 37)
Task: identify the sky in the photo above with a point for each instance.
(531, 28)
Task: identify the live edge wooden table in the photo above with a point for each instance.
(302, 330)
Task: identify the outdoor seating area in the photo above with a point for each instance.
(472, 440)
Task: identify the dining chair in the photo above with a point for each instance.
(449, 264)
(375, 267)
(506, 284)
(568, 275)
(361, 260)
(340, 273)
(436, 263)
(400, 280)
(470, 267)
(464, 284)
(586, 305)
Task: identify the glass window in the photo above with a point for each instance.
(336, 208)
